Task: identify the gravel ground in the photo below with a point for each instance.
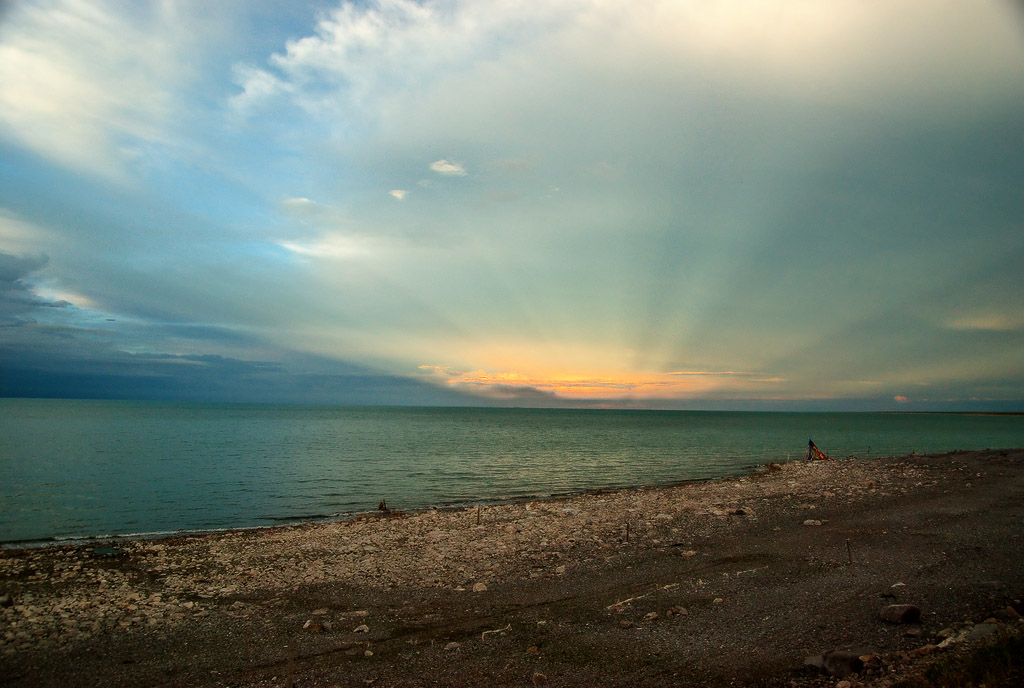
(741, 581)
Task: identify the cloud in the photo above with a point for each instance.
(993, 322)
(764, 203)
(88, 84)
(712, 373)
(18, 299)
(358, 52)
(608, 388)
(337, 246)
(448, 169)
(51, 349)
(258, 86)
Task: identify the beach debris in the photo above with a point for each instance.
(617, 606)
(539, 679)
(383, 506)
(452, 646)
(836, 663)
(479, 587)
(313, 626)
(812, 522)
(484, 634)
(900, 613)
(361, 628)
(815, 454)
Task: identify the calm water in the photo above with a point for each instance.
(75, 469)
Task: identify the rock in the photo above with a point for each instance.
(539, 679)
(320, 612)
(6, 601)
(1007, 615)
(361, 628)
(479, 587)
(900, 613)
(312, 626)
(982, 630)
(815, 663)
(452, 646)
(840, 663)
(651, 616)
(812, 522)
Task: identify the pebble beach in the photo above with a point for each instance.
(748, 578)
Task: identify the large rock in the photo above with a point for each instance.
(840, 663)
(900, 613)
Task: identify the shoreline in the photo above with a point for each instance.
(706, 582)
(297, 521)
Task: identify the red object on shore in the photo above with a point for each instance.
(813, 453)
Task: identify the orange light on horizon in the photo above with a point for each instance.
(579, 386)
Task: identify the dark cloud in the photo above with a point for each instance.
(74, 358)
(16, 296)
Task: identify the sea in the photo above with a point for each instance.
(77, 470)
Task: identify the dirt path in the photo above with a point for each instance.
(730, 582)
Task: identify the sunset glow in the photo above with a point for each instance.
(699, 205)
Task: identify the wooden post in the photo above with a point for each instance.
(290, 679)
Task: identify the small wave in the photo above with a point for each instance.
(299, 518)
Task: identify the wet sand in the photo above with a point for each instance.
(738, 581)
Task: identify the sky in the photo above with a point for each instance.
(713, 204)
